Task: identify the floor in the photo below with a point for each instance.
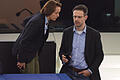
(110, 67)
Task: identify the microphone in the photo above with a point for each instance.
(18, 13)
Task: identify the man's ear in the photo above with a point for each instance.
(86, 17)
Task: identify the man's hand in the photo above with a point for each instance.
(64, 59)
(85, 73)
(21, 65)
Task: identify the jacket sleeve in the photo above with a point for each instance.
(98, 54)
(27, 43)
(62, 47)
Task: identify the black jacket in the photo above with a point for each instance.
(93, 50)
(31, 39)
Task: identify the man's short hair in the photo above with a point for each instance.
(82, 8)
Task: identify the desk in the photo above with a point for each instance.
(34, 77)
(47, 56)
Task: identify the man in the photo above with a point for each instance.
(81, 49)
(35, 33)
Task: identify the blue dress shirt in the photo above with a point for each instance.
(46, 26)
(78, 59)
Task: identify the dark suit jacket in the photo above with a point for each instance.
(31, 39)
(93, 50)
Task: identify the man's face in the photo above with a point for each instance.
(79, 18)
(55, 14)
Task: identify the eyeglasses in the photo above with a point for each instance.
(78, 16)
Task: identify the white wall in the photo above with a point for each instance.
(111, 43)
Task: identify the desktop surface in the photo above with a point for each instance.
(34, 77)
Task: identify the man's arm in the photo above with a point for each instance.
(99, 54)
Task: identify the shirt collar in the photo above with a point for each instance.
(84, 30)
(46, 21)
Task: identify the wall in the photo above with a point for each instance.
(9, 8)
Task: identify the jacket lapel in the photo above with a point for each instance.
(87, 41)
(71, 38)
